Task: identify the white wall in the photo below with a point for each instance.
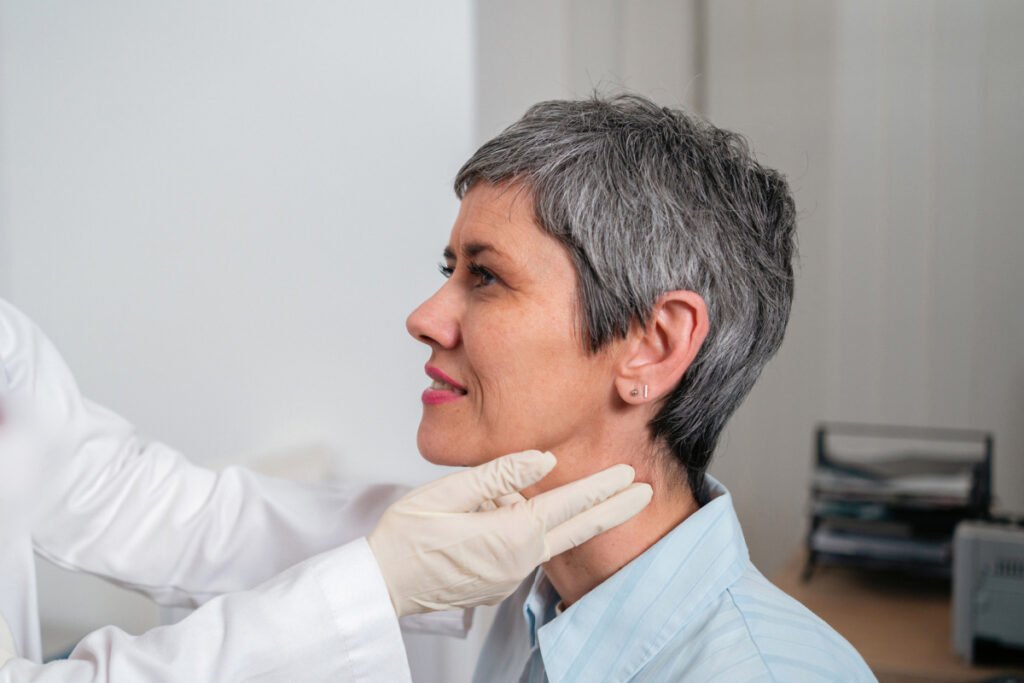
(222, 212)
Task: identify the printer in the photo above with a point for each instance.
(988, 589)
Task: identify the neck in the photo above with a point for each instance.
(578, 571)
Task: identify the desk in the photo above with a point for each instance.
(901, 627)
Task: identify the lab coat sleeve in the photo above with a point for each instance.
(152, 522)
(303, 625)
(139, 514)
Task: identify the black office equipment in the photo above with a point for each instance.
(890, 497)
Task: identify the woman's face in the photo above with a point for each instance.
(509, 370)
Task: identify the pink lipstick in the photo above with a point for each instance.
(443, 390)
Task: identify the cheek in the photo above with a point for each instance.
(499, 373)
(530, 379)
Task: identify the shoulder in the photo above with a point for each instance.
(10, 320)
(15, 332)
(11, 317)
(793, 642)
(27, 357)
(754, 631)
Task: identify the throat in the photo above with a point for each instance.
(578, 571)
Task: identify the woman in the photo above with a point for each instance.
(618, 275)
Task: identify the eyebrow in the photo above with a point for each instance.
(471, 250)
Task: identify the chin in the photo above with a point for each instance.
(445, 450)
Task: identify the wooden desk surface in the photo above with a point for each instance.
(900, 627)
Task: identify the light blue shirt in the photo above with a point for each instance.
(690, 608)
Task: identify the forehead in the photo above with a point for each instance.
(496, 226)
(501, 216)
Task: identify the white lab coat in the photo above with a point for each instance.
(79, 487)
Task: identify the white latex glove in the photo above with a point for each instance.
(6, 643)
(464, 540)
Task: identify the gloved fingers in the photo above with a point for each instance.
(560, 504)
(509, 500)
(468, 490)
(501, 502)
(603, 516)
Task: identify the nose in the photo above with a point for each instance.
(436, 320)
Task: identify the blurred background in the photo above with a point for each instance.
(222, 212)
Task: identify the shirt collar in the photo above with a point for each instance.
(636, 611)
(540, 605)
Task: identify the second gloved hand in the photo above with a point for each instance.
(448, 545)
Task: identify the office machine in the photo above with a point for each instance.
(988, 589)
(889, 497)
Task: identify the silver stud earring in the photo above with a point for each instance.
(634, 392)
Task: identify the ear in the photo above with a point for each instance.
(655, 358)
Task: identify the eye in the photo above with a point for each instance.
(445, 269)
(484, 277)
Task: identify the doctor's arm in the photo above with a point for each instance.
(464, 540)
(138, 513)
(327, 619)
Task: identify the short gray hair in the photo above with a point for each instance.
(649, 200)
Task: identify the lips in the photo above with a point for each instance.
(443, 389)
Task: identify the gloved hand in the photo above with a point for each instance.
(6, 643)
(469, 538)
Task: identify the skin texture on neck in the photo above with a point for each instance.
(580, 570)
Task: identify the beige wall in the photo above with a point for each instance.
(534, 50)
(900, 128)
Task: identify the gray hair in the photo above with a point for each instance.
(649, 200)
